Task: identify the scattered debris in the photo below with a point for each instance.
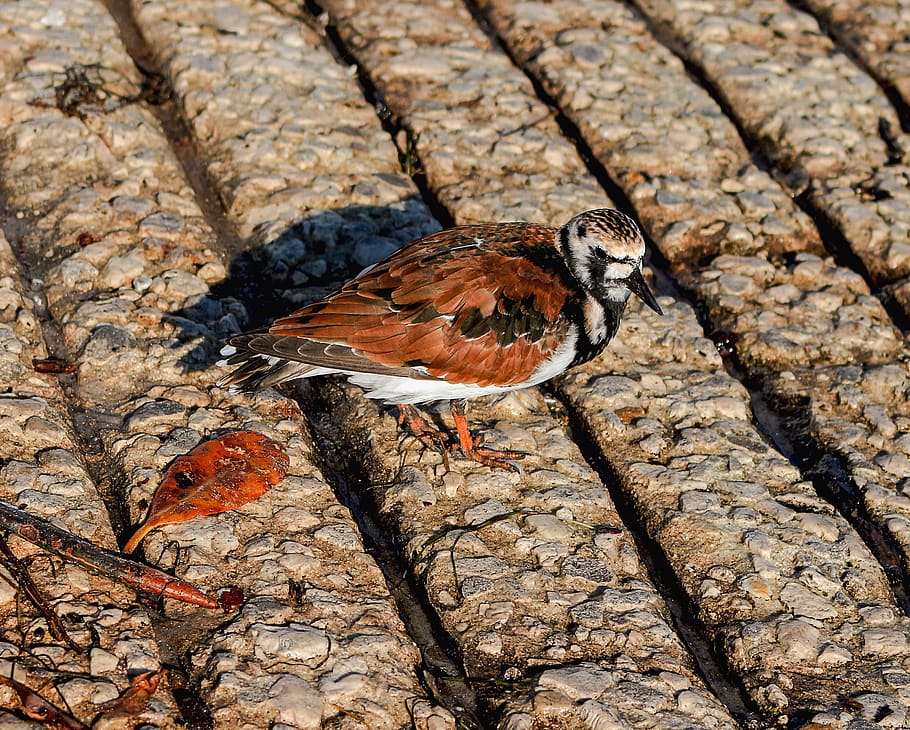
(896, 151)
(134, 700)
(53, 365)
(231, 598)
(38, 708)
(18, 571)
(86, 237)
(84, 92)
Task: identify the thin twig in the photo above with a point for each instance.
(137, 576)
(19, 572)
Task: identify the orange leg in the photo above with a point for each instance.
(470, 445)
(420, 428)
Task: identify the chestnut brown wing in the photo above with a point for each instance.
(478, 304)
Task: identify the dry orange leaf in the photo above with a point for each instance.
(218, 475)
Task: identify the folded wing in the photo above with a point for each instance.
(489, 308)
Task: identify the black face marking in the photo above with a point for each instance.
(601, 255)
(586, 348)
(565, 249)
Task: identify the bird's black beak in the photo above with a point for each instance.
(639, 287)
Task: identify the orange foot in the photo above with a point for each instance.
(468, 444)
(471, 446)
(430, 436)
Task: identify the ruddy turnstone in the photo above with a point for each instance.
(458, 314)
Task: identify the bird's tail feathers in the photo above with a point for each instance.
(253, 370)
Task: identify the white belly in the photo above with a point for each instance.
(399, 390)
(393, 389)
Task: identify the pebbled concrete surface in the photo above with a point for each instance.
(711, 527)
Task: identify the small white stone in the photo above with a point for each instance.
(691, 703)
(580, 682)
(295, 642)
(55, 17)
(803, 602)
(340, 534)
(102, 662)
(298, 703)
(834, 655)
(79, 691)
(884, 642)
(489, 643)
(798, 639)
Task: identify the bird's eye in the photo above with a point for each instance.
(600, 253)
(580, 230)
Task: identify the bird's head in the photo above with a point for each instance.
(603, 249)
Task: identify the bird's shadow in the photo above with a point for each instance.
(293, 266)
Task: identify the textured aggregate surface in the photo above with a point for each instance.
(711, 527)
(821, 120)
(136, 302)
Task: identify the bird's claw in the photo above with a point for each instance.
(430, 437)
(494, 458)
(468, 444)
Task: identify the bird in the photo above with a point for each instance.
(465, 312)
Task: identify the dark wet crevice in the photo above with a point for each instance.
(829, 476)
(175, 640)
(785, 426)
(84, 425)
(401, 135)
(176, 130)
(708, 658)
(837, 245)
(346, 459)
